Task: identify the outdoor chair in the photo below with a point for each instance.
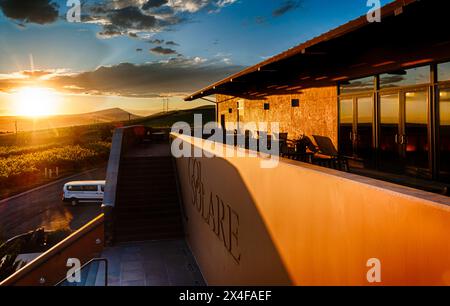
(283, 143)
(328, 155)
(298, 149)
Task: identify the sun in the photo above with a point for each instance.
(35, 102)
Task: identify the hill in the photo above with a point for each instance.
(166, 120)
(7, 123)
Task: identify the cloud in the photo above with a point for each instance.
(177, 76)
(131, 18)
(121, 17)
(118, 17)
(9, 82)
(261, 19)
(156, 41)
(172, 43)
(109, 31)
(30, 11)
(163, 51)
(285, 7)
(151, 4)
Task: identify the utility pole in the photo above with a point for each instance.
(165, 105)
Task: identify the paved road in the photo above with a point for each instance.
(43, 208)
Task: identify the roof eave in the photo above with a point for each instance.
(387, 10)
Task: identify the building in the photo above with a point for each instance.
(378, 90)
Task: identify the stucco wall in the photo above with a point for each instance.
(304, 225)
(316, 115)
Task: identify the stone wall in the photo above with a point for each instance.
(317, 113)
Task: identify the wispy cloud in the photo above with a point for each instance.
(285, 7)
(163, 51)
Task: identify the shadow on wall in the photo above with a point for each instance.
(305, 225)
(224, 228)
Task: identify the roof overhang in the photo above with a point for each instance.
(411, 33)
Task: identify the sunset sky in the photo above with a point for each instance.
(130, 53)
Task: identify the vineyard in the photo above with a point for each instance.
(24, 164)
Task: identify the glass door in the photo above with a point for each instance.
(363, 144)
(346, 134)
(389, 133)
(444, 135)
(415, 139)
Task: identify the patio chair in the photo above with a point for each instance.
(304, 144)
(283, 143)
(329, 155)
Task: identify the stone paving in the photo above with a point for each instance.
(154, 263)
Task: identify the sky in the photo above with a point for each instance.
(134, 53)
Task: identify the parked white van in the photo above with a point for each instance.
(83, 191)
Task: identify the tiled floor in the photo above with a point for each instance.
(160, 263)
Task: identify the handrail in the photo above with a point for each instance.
(112, 171)
(49, 267)
(123, 139)
(88, 263)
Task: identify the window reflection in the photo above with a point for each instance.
(389, 129)
(346, 126)
(365, 127)
(415, 76)
(444, 72)
(444, 110)
(416, 129)
(359, 85)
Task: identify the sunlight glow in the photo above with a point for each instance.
(35, 102)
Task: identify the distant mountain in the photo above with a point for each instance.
(7, 123)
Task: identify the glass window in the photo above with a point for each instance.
(74, 188)
(90, 188)
(410, 77)
(358, 85)
(444, 72)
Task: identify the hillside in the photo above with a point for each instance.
(7, 124)
(166, 120)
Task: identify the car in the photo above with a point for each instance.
(83, 191)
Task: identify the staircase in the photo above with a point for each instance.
(147, 200)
